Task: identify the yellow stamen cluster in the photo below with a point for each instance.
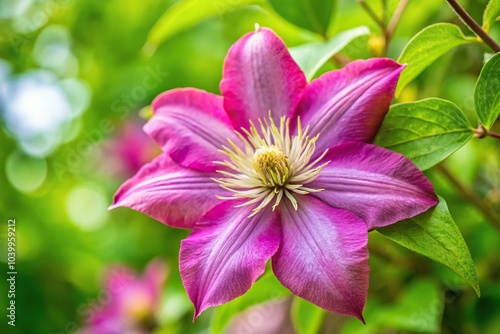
(270, 163)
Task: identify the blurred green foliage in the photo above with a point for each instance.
(94, 59)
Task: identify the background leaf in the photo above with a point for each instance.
(307, 318)
(312, 56)
(426, 131)
(427, 46)
(185, 14)
(487, 92)
(491, 14)
(435, 235)
(313, 15)
(265, 289)
(419, 309)
(87, 51)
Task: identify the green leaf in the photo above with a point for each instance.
(267, 288)
(491, 14)
(419, 310)
(313, 15)
(487, 92)
(426, 131)
(312, 56)
(435, 235)
(427, 46)
(307, 318)
(187, 13)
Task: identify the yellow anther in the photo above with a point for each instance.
(272, 165)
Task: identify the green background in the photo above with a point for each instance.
(82, 71)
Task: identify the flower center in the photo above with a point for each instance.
(270, 164)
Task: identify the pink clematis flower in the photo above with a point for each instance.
(127, 151)
(278, 168)
(129, 303)
(133, 147)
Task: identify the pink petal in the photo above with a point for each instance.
(154, 278)
(190, 125)
(380, 186)
(226, 253)
(118, 277)
(260, 76)
(175, 195)
(323, 256)
(349, 104)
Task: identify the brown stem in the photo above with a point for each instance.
(372, 14)
(384, 10)
(494, 135)
(341, 60)
(387, 29)
(393, 23)
(470, 195)
(482, 132)
(476, 28)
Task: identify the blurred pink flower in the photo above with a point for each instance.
(298, 181)
(130, 149)
(130, 303)
(271, 317)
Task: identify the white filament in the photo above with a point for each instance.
(243, 179)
